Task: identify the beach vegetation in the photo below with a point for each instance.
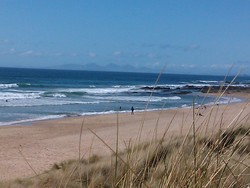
(218, 160)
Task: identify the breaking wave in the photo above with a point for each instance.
(3, 86)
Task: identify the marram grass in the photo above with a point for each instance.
(221, 160)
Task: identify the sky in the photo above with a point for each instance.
(187, 37)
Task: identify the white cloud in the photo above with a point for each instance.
(30, 53)
(8, 52)
(156, 64)
(92, 54)
(117, 53)
(157, 56)
(188, 65)
(193, 47)
(245, 63)
(4, 41)
(214, 66)
(152, 55)
(219, 66)
(27, 53)
(74, 54)
(138, 55)
(12, 50)
(58, 54)
(185, 48)
(148, 45)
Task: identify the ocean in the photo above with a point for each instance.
(28, 95)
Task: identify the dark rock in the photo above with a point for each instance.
(231, 89)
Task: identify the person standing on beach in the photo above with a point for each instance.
(132, 110)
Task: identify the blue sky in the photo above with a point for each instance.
(199, 37)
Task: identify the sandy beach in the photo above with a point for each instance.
(46, 142)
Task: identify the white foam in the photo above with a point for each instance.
(98, 113)
(171, 86)
(32, 119)
(125, 111)
(226, 100)
(59, 95)
(175, 86)
(11, 96)
(172, 98)
(240, 85)
(208, 81)
(136, 98)
(124, 86)
(198, 85)
(97, 90)
(45, 102)
(116, 86)
(3, 86)
(201, 84)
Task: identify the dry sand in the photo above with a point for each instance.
(46, 142)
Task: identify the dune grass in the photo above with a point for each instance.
(218, 160)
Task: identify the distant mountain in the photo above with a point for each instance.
(90, 66)
(108, 67)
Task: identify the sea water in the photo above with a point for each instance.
(36, 94)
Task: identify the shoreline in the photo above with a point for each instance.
(240, 97)
(51, 141)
